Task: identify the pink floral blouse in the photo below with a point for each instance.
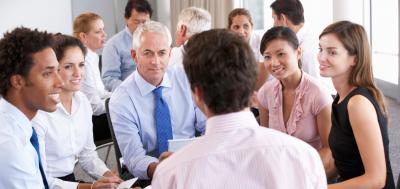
(310, 99)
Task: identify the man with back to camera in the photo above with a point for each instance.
(153, 104)
(290, 13)
(116, 59)
(235, 152)
(191, 20)
(28, 82)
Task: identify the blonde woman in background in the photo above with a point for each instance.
(89, 29)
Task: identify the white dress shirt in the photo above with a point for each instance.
(309, 46)
(65, 138)
(176, 57)
(19, 163)
(236, 152)
(92, 85)
(255, 42)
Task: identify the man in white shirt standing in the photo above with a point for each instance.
(191, 20)
(28, 82)
(291, 15)
(235, 151)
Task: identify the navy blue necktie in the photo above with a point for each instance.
(163, 121)
(35, 143)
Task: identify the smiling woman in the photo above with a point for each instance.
(294, 102)
(67, 133)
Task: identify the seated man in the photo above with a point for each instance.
(235, 151)
(28, 82)
(153, 104)
(117, 62)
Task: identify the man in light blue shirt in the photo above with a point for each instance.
(28, 82)
(133, 104)
(117, 63)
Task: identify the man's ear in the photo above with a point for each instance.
(284, 19)
(134, 55)
(197, 95)
(183, 30)
(17, 81)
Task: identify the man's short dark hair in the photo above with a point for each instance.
(222, 65)
(63, 42)
(142, 6)
(16, 50)
(293, 9)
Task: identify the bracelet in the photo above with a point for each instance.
(91, 186)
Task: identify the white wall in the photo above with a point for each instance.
(111, 11)
(50, 15)
(352, 10)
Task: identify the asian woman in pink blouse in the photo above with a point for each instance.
(293, 102)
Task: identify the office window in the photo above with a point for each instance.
(385, 40)
(256, 8)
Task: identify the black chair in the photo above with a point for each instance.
(101, 131)
(122, 170)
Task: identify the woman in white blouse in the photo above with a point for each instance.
(89, 29)
(66, 134)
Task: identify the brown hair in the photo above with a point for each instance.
(355, 41)
(237, 12)
(226, 72)
(83, 21)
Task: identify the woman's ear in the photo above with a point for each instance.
(299, 52)
(82, 37)
(353, 60)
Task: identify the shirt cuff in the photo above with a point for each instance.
(140, 168)
(60, 184)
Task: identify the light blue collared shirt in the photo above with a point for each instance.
(117, 63)
(19, 163)
(132, 114)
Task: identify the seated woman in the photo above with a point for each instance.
(89, 29)
(294, 102)
(240, 21)
(358, 139)
(66, 134)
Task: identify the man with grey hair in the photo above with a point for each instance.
(191, 20)
(153, 104)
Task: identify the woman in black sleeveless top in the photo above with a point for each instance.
(358, 139)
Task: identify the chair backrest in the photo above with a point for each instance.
(118, 154)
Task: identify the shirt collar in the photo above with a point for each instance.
(74, 106)
(128, 31)
(301, 33)
(19, 117)
(145, 87)
(230, 121)
(90, 55)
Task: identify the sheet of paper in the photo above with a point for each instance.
(176, 144)
(127, 183)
